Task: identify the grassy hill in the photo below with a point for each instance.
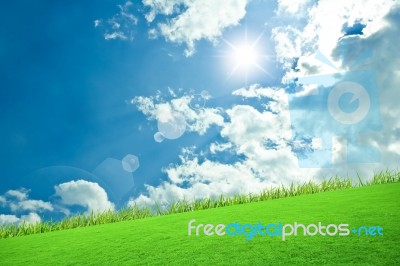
(164, 239)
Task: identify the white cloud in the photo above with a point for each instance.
(2, 201)
(194, 20)
(328, 18)
(30, 218)
(31, 205)
(247, 132)
(293, 8)
(245, 120)
(18, 201)
(161, 7)
(256, 91)
(264, 138)
(220, 147)
(8, 219)
(84, 193)
(197, 120)
(186, 21)
(325, 21)
(207, 179)
(385, 61)
(276, 97)
(315, 43)
(121, 25)
(18, 194)
(97, 22)
(115, 35)
(321, 37)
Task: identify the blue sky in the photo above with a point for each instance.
(85, 84)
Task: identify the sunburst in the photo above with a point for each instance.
(245, 56)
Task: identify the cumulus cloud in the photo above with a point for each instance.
(384, 64)
(31, 218)
(220, 147)
(261, 138)
(293, 8)
(197, 120)
(194, 20)
(207, 179)
(319, 48)
(276, 97)
(324, 27)
(84, 193)
(21, 194)
(8, 219)
(183, 21)
(18, 201)
(31, 205)
(265, 137)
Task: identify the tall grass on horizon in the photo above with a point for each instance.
(136, 212)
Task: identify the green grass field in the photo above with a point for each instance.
(164, 240)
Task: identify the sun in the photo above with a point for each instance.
(244, 57)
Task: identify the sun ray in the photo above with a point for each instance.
(263, 70)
